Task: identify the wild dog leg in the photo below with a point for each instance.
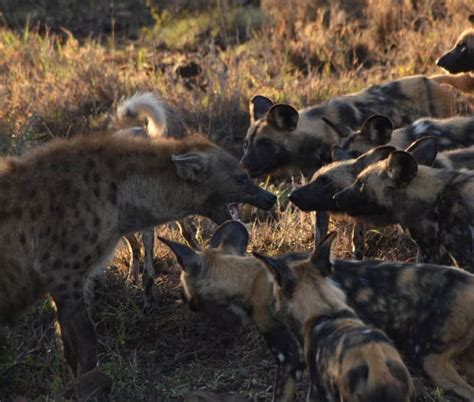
(442, 371)
(148, 270)
(322, 224)
(466, 363)
(458, 242)
(358, 240)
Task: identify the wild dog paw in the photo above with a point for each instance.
(92, 384)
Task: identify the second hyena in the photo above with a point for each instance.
(433, 205)
(66, 205)
(347, 359)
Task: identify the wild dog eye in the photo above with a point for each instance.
(355, 154)
(241, 179)
(246, 144)
(462, 47)
(325, 180)
(361, 185)
(265, 141)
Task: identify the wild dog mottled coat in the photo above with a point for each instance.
(347, 359)
(435, 206)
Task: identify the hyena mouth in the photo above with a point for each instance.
(234, 211)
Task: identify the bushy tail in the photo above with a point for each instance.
(145, 104)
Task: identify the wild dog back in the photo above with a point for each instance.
(348, 360)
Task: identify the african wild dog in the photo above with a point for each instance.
(280, 136)
(401, 299)
(66, 205)
(224, 283)
(347, 359)
(425, 309)
(162, 121)
(326, 182)
(434, 205)
(460, 59)
(377, 130)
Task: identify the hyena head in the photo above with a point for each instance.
(219, 180)
(460, 59)
(302, 291)
(273, 139)
(213, 280)
(376, 131)
(318, 195)
(375, 189)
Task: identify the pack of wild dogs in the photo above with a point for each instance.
(395, 153)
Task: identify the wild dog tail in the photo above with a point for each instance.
(149, 105)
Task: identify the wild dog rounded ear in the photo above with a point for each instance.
(424, 150)
(471, 19)
(321, 257)
(189, 260)
(259, 106)
(283, 117)
(278, 269)
(340, 129)
(374, 155)
(378, 129)
(232, 237)
(339, 154)
(401, 168)
(191, 166)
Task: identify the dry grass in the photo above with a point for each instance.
(55, 83)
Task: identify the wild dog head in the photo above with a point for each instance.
(346, 358)
(329, 180)
(279, 136)
(302, 291)
(375, 190)
(214, 279)
(460, 59)
(376, 131)
(217, 180)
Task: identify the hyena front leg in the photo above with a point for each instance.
(148, 270)
(322, 224)
(77, 331)
(358, 241)
(135, 252)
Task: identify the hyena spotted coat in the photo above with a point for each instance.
(435, 206)
(224, 283)
(347, 359)
(66, 205)
(452, 133)
(318, 194)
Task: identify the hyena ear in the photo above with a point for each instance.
(378, 129)
(321, 257)
(339, 154)
(278, 269)
(191, 166)
(189, 260)
(401, 168)
(341, 130)
(231, 237)
(374, 155)
(259, 106)
(283, 117)
(471, 19)
(424, 150)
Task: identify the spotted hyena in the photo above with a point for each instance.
(66, 205)
(347, 359)
(433, 205)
